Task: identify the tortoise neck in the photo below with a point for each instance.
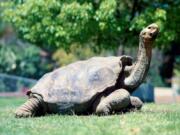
(141, 65)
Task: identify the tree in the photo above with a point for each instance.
(108, 23)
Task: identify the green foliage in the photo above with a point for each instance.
(76, 52)
(177, 67)
(108, 23)
(1, 19)
(52, 22)
(23, 61)
(8, 59)
(159, 16)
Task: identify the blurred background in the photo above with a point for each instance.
(37, 36)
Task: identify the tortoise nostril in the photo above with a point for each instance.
(151, 34)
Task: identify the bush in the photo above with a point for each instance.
(23, 61)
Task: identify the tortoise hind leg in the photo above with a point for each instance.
(115, 101)
(34, 106)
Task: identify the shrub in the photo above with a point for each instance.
(24, 61)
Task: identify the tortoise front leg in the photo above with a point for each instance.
(34, 106)
(136, 103)
(115, 101)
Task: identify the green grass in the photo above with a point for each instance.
(152, 120)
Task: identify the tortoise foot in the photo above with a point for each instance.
(136, 103)
(23, 114)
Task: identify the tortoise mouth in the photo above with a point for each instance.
(154, 34)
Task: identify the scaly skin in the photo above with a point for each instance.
(34, 106)
(138, 71)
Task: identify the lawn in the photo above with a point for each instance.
(152, 120)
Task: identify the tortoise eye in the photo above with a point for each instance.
(143, 33)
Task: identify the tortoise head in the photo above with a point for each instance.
(149, 34)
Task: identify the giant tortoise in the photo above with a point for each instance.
(99, 85)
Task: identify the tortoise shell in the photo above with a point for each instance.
(79, 82)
